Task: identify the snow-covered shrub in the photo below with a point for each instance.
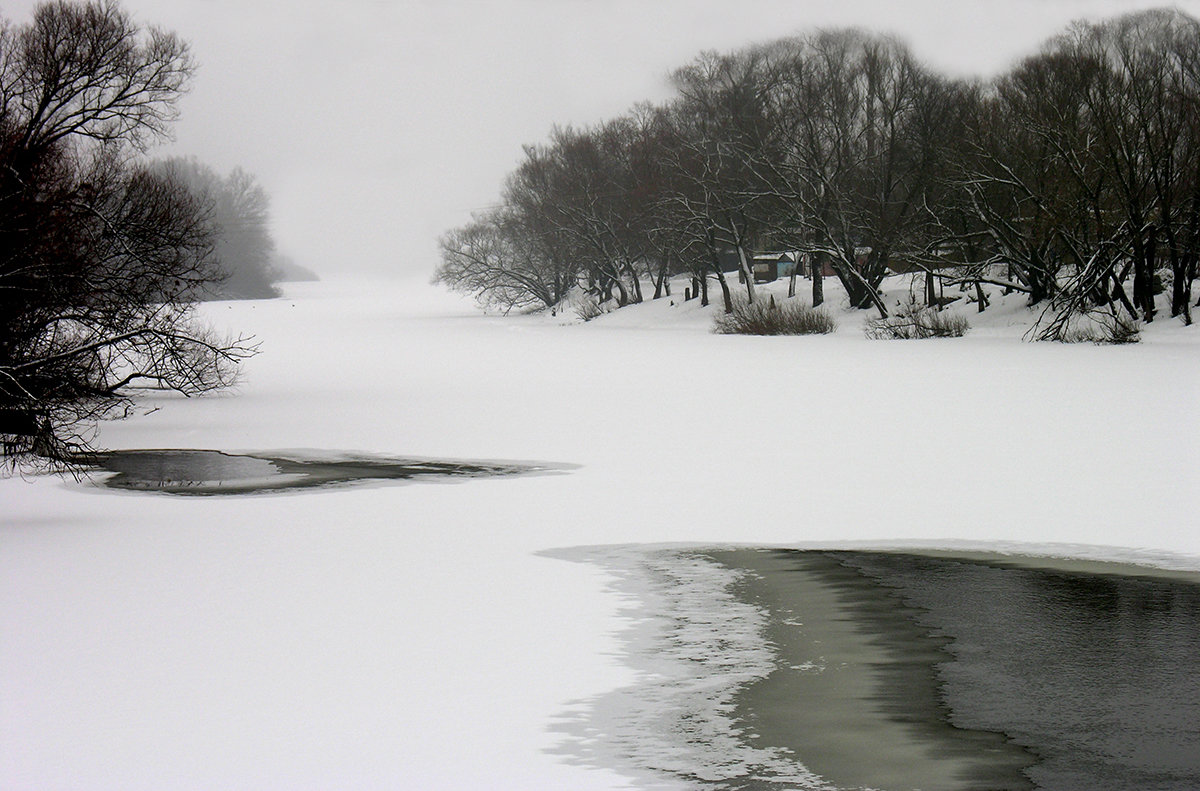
(588, 309)
(769, 318)
(1113, 329)
(917, 321)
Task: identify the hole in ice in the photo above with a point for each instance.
(213, 472)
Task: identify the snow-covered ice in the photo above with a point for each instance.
(694, 647)
(428, 636)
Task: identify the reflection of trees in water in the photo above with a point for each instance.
(1093, 672)
(1119, 600)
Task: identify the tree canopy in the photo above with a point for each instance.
(100, 252)
(1074, 177)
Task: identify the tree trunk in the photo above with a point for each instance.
(980, 297)
(1182, 274)
(862, 294)
(817, 265)
(1177, 298)
(931, 299)
(848, 283)
(622, 292)
(1037, 288)
(1181, 285)
(1033, 274)
(747, 272)
(725, 291)
(1118, 292)
(659, 282)
(1143, 274)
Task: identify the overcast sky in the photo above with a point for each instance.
(375, 125)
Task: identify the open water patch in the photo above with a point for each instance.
(815, 669)
(213, 472)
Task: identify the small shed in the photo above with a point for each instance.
(771, 266)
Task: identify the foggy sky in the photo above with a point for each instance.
(375, 126)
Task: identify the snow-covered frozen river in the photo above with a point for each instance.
(439, 636)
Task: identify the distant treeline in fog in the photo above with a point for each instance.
(238, 216)
(1074, 177)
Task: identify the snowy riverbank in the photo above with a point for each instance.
(414, 636)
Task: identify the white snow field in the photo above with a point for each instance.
(425, 635)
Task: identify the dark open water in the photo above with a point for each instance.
(211, 472)
(906, 671)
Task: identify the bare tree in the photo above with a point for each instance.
(1085, 169)
(98, 253)
(503, 264)
(85, 70)
(860, 133)
(1074, 178)
(722, 123)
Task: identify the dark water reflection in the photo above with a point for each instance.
(1097, 675)
(211, 472)
(954, 673)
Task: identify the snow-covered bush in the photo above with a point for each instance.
(1113, 329)
(588, 309)
(917, 321)
(769, 318)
